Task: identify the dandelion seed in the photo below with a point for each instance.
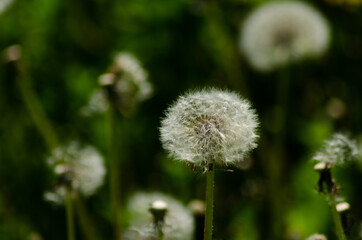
(80, 167)
(281, 32)
(178, 221)
(337, 150)
(209, 125)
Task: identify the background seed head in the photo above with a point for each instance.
(209, 125)
(82, 167)
(317, 237)
(280, 32)
(337, 150)
(179, 222)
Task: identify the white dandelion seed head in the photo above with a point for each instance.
(97, 104)
(133, 78)
(281, 32)
(317, 237)
(83, 165)
(209, 125)
(337, 150)
(4, 4)
(178, 224)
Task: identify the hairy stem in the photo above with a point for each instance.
(114, 172)
(209, 202)
(336, 217)
(70, 214)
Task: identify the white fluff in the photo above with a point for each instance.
(280, 32)
(209, 126)
(337, 150)
(179, 222)
(85, 166)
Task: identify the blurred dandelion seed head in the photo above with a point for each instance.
(178, 222)
(4, 4)
(81, 167)
(130, 84)
(281, 32)
(317, 237)
(209, 125)
(97, 104)
(337, 150)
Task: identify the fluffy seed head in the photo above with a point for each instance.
(317, 237)
(337, 150)
(80, 167)
(4, 4)
(97, 104)
(178, 221)
(280, 32)
(128, 82)
(209, 126)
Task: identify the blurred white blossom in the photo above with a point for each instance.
(178, 225)
(4, 4)
(209, 125)
(280, 32)
(97, 104)
(80, 167)
(337, 150)
(127, 82)
(317, 237)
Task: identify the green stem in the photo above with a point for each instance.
(276, 173)
(36, 110)
(209, 202)
(86, 222)
(336, 216)
(114, 172)
(160, 233)
(70, 214)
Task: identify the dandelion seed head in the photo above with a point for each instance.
(209, 125)
(4, 4)
(97, 104)
(281, 32)
(131, 83)
(80, 166)
(337, 150)
(317, 237)
(178, 222)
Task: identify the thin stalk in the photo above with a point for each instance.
(86, 222)
(278, 170)
(209, 202)
(160, 233)
(36, 110)
(114, 172)
(70, 214)
(336, 217)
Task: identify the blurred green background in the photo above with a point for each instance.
(183, 44)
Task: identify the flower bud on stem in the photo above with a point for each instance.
(327, 184)
(159, 211)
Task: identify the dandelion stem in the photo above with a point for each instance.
(160, 233)
(336, 216)
(70, 215)
(114, 172)
(86, 222)
(35, 108)
(209, 202)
